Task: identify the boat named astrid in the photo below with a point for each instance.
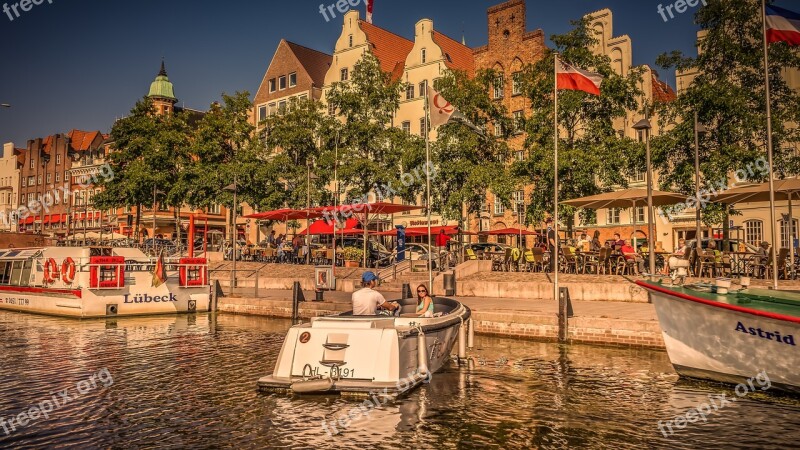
(714, 334)
(86, 282)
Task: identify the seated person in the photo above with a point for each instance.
(424, 302)
(762, 255)
(367, 300)
(618, 242)
(596, 244)
(681, 251)
(712, 248)
(583, 242)
(630, 255)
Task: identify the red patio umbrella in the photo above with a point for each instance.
(325, 228)
(285, 215)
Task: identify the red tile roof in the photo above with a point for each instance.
(389, 48)
(315, 62)
(662, 92)
(457, 55)
(82, 140)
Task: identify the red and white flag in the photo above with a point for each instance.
(574, 79)
(370, 4)
(782, 25)
(441, 110)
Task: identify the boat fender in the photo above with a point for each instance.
(312, 386)
(68, 271)
(50, 271)
(422, 354)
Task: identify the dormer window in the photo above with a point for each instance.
(424, 55)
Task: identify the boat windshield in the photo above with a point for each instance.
(16, 266)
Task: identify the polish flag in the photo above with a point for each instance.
(783, 26)
(574, 79)
(370, 4)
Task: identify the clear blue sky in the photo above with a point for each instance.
(81, 64)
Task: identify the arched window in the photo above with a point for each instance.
(754, 232)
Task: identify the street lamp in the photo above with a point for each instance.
(235, 232)
(155, 192)
(644, 125)
(311, 176)
(698, 129)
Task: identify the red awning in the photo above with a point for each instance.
(29, 220)
(82, 216)
(323, 228)
(46, 219)
(97, 215)
(285, 215)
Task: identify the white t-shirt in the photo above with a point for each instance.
(366, 302)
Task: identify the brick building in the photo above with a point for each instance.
(510, 48)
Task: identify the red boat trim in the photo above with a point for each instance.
(741, 309)
(38, 290)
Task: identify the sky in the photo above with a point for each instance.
(83, 63)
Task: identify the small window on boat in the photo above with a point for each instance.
(16, 273)
(27, 266)
(5, 273)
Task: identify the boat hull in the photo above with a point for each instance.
(353, 355)
(721, 344)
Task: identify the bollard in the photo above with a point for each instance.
(471, 334)
(297, 298)
(564, 313)
(462, 343)
(407, 291)
(449, 284)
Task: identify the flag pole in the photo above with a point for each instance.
(428, 186)
(555, 180)
(769, 151)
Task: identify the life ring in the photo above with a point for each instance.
(50, 271)
(68, 270)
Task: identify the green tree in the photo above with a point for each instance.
(373, 154)
(728, 95)
(592, 155)
(470, 164)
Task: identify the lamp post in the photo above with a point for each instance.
(644, 125)
(698, 128)
(155, 192)
(234, 231)
(311, 176)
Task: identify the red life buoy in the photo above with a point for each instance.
(50, 271)
(67, 270)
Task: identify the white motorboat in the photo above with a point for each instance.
(733, 336)
(368, 354)
(86, 282)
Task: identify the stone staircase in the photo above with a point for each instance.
(412, 278)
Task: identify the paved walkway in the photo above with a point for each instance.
(608, 310)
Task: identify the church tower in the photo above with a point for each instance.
(162, 93)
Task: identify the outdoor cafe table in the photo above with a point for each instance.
(739, 261)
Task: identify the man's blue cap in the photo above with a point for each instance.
(368, 277)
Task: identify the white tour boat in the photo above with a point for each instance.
(730, 336)
(88, 282)
(368, 354)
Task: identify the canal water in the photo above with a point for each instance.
(190, 382)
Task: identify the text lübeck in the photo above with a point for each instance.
(146, 298)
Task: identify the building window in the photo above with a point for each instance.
(754, 232)
(344, 74)
(215, 209)
(272, 85)
(49, 178)
(271, 108)
(31, 181)
(58, 158)
(40, 180)
(23, 182)
(516, 83)
(423, 128)
(519, 199)
(262, 113)
(499, 208)
(423, 88)
(303, 97)
(498, 129)
(424, 55)
(410, 92)
(407, 127)
(640, 216)
(519, 121)
(350, 40)
(637, 177)
(293, 79)
(282, 107)
(613, 216)
(282, 82)
(520, 154)
(58, 177)
(499, 86)
(331, 109)
(66, 175)
(785, 233)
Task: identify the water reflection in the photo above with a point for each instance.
(190, 381)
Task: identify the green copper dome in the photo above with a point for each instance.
(162, 87)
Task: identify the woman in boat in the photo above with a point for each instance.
(424, 302)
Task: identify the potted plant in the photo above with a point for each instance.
(352, 256)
